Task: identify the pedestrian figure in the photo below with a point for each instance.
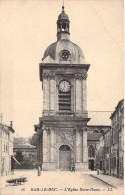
(73, 168)
(39, 170)
(98, 171)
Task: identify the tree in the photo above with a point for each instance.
(34, 139)
(19, 156)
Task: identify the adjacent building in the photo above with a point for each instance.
(104, 152)
(117, 140)
(111, 150)
(6, 149)
(25, 154)
(93, 143)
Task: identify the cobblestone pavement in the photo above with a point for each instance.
(52, 183)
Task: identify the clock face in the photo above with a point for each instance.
(64, 86)
(65, 55)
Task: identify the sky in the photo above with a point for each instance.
(28, 27)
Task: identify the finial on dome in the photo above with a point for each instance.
(63, 8)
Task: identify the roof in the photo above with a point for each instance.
(93, 136)
(27, 146)
(117, 107)
(99, 118)
(6, 128)
(54, 50)
(20, 140)
(63, 15)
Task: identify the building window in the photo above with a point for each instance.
(95, 131)
(6, 148)
(114, 162)
(120, 162)
(30, 156)
(107, 148)
(120, 143)
(91, 152)
(64, 96)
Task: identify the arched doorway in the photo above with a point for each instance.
(64, 158)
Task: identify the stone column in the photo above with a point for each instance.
(45, 146)
(52, 145)
(85, 149)
(45, 92)
(78, 146)
(39, 145)
(84, 96)
(52, 92)
(56, 96)
(78, 93)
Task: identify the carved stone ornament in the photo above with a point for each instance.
(65, 136)
(45, 128)
(81, 76)
(51, 129)
(45, 76)
(51, 76)
(78, 129)
(85, 129)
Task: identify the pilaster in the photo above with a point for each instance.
(85, 149)
(45, 146)
(52, 92)
(45, 92)
(84, 92)
(78, 146)
(78, 92)
(52, 145)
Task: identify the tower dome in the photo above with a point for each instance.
(63, 15)
(63, 26)
(63, 50)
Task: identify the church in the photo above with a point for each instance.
(62, 129)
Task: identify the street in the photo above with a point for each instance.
(56, 183)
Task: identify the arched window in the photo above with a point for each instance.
(95, 131)
(91, 152)
(63, 26)
(64, 148)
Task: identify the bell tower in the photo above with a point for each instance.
(63, 25)
(62, 129)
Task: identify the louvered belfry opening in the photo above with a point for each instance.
(65, 100)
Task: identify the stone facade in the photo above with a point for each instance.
(62, 127)
(111, 150)
(117, 141)
(6, 149)
(93, 142)
(61, 135)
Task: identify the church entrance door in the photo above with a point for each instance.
(65, 158)
(91, 165)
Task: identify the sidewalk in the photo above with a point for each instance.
(110, 180)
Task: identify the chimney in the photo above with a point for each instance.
(11, 124)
